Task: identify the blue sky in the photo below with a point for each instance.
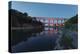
(46, 10)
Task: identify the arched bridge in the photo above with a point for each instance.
(51, 21)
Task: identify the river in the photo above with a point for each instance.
(36, 40)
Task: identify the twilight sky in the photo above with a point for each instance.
(46, 10)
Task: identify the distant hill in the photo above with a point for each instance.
(19, 19)
(71, 21)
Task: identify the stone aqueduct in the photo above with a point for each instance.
(51, 21)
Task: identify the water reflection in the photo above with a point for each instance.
(18, 36)
(35, 40)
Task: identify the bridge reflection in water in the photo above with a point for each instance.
(48, 30)
(42, 41)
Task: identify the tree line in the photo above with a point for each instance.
(19, 19)
(71, 21)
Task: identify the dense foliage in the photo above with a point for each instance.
(19, 19)
(71, 21)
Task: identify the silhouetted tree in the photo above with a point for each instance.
(18, 19)
(25, 14)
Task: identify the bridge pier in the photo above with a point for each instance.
(51, 21)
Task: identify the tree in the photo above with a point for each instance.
(72, 20)
(25, 14)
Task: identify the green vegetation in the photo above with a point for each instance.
(69, 36)
(71, 21)
(66, 41)
(19, 19)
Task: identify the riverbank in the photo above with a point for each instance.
(68, 39)
(28, 28)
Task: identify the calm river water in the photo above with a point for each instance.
(36, 40)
